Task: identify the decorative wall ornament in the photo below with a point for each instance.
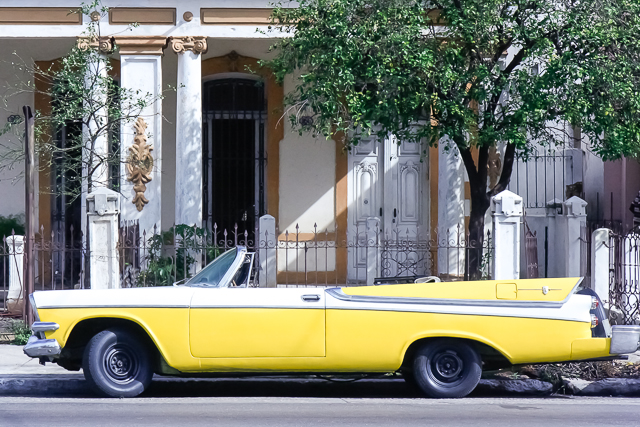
(196, 44)
(233, 57)
(140, 164)
(105, 44)
(187, 16)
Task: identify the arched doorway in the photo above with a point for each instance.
(233, 148)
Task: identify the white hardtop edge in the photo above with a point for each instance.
(161, 296)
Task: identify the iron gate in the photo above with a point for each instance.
(624, 277)
(233, 153)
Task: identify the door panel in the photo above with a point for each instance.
(257, 322)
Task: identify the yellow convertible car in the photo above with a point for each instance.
(438, 335)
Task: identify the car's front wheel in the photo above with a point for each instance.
(447, 368)
(117, 364)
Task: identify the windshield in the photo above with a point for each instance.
(211, 275)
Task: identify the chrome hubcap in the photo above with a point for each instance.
(447, 366)
(121, 364)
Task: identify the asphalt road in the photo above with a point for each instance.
(292, 411)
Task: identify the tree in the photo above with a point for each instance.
(488, 74)
(88, 108)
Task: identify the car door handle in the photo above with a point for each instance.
(310, 298)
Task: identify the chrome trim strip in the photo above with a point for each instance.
(338, 294)
(44, 326)
(39, 348)
(266, 307)
(115, 306)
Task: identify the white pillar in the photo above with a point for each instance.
(451, 228)
(189, 129)
(103, 206)
(506, 208)
(575, 217)
(95, 136)
(373, 261)
(266, 242)
(15, 296)
(600, 264)
(141, 72)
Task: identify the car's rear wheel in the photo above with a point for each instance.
(117, 364)
(447, 368)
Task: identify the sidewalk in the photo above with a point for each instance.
(14, 362)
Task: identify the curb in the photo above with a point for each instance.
(74, 385)
(18, 385)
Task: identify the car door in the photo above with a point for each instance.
(257, 322)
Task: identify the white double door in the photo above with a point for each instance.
(387, 181)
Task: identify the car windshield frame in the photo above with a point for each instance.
(236, 262)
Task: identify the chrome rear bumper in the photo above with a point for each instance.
(625, 339)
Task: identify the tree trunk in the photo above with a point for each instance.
(480, 202)
(475, 244)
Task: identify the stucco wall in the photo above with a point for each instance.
(307, 180)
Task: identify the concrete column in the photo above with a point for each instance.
(600, 264)
(267, 242)
(141, 72)
(15, 295)
(372, 243)
(575, 217)
(103, 206)
(95, 167)
(451, 228)
(189, 129)
(506, 209)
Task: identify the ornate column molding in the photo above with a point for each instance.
(141, 45)
(105, 44)
(140, 164)
(195, 44)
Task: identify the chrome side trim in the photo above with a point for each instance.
(338, 294)
(44, 326)
(114, 306)
(39, 348)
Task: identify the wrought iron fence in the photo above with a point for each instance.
(316, 258)
(541, 177)
(624, 277)
(163, 258)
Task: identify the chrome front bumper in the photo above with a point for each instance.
(38, 346)
(625, 339)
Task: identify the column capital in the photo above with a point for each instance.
(196, 44)
(141, 45)
(104, 44)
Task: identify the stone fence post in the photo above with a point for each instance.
(103, 206)
(373, 263)
(267, 244)
(600, 264)
(575, 218)
(506, 209)
(16, 292)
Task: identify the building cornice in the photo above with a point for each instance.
(141, 45)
